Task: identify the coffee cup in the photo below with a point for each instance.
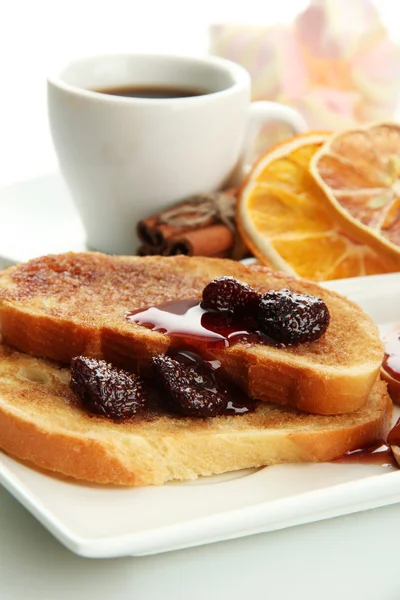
(135, 134)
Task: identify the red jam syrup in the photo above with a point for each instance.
(381, 456)
(391, 361)
(193, 326)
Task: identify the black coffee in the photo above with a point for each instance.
(154, 91)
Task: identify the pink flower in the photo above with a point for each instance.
(335, 63)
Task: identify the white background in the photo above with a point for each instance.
(37, 35)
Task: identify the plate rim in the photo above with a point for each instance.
(216, 527)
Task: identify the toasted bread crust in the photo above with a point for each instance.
(61, 306)
(42, 422)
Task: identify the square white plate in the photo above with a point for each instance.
(99, 521)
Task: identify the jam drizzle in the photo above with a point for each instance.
(195, 332)
(193, 326)
(380, 455)
(394, 435)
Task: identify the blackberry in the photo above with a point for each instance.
(192, 390)
(227, 293)
(105, 390)
(292, 318)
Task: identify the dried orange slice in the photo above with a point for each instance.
(359, 171)
(283, 218)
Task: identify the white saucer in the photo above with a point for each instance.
(38, 217)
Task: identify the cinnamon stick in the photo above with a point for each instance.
(200, 210)
(202, 225)
(153, 231)
(215, 240)
(149, 250)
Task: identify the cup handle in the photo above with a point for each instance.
(260, 114)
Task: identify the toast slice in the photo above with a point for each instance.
(65, 305)
(42, 422)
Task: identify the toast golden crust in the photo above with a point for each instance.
(64, 305)
(42, 422)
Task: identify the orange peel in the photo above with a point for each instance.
(359, 172)
(286, 221)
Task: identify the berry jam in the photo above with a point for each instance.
(195, 332)
(394, 435)
(391, 361)
(239, 402)
(194, 326)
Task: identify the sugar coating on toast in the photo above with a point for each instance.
(64, 305)
(42, 421)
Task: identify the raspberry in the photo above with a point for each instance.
(192, 390)
(292, 318)
(227, 293)
(105, 390)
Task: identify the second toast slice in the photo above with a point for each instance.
(65, 305)
(43, 422)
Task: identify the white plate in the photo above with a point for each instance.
(99, 521)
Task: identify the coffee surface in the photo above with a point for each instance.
(153, 91)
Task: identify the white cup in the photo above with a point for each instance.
(127, 158)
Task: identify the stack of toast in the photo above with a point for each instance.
(315, 401)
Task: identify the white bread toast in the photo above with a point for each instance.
(65, 305)
(42, 422)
